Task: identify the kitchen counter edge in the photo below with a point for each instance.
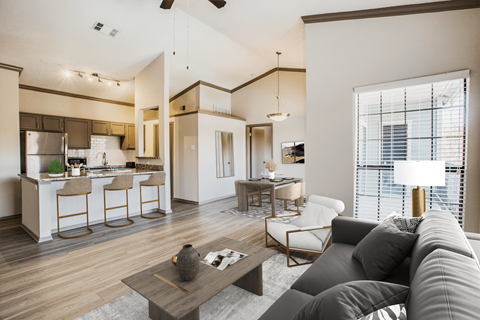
(44, 177)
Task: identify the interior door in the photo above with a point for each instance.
(258, 151)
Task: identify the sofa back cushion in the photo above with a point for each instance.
(438, 229)
(446, 286)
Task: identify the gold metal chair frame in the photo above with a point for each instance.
(111, 208)
(72, 215)
(285, 205)
(287, 249)
(162, 214)
(259, 195)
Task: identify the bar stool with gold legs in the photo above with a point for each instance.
(119, 183)
(72, 188)
(155, 180)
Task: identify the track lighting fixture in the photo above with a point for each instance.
(91, 76)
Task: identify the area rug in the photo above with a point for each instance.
(232, 303)
(266, 211)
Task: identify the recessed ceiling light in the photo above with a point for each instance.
(67, 73)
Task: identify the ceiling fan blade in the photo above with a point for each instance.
(218, 3)
(166, 4)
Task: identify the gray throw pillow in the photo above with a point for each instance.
(395, 312)
(383, 249)
(352, 300)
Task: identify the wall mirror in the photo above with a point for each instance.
(224, 150)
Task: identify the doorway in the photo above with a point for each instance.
(259, 148)
(171, 157)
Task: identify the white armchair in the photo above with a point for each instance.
(310, 232)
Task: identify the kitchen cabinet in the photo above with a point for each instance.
(117, 129)
(130, 136)
(31, 122)
(100, 127)
(52, 123)
(79, 133)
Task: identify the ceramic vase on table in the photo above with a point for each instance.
(271, 175)
(187, 263)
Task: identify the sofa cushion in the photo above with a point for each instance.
(336, 265)
(287, 306)
(408, 224)
(446, 286)
(352, 300)
(438, 229)
(383, 250)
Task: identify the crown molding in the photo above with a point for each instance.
(11, 68)
(263, 75)
(74, 95)
(393, 11)
(269, 72)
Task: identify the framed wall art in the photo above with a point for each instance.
(293, 152)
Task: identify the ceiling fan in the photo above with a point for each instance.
(167, 4)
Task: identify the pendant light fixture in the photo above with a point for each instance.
(278, 116)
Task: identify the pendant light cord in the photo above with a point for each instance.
(174, 30)
(278, 81)
(188, 27)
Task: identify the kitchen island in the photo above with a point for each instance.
(39, 207)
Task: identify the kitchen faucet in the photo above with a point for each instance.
(104, 158)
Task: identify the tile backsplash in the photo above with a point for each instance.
(108, 144)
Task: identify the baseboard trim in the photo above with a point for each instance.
(34, 236)
(217, 199)
(185, 201)
(11, 217)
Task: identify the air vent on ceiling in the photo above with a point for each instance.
(105, 29)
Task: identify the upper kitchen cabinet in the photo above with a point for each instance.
(117, 129)
(52, 123)
(79, 132)
(129, 141)
(100, 127)
(30, 122)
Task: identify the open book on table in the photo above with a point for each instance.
(224, 258)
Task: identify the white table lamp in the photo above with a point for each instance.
(419, 173)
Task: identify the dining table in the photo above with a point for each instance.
(263, 184)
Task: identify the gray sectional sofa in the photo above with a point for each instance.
(442, 271)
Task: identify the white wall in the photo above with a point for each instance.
(342, 55)
(255, 101)
(185, 170)
(190, 99)
(151, 91)
(46, 103)
(10, 197)
(210, 97)
(209, 186)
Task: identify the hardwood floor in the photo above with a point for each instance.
(64, 279)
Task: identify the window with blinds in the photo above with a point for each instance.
(419, 122)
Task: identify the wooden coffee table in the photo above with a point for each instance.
(169, 297)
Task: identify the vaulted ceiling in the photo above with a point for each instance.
(226, 47)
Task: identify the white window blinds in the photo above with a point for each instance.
(418, 122)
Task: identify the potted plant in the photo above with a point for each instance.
(55, 169)
(271, 167)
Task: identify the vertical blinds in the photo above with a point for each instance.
(421, 122)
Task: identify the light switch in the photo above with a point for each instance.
(192, 147)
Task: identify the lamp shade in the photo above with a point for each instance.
(419, 173)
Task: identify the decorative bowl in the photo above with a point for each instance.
(174, 259)
(55, 175)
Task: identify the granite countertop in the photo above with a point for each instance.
(44, 177)
(142, 157)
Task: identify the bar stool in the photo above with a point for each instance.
(119, 183)
(72, 188)
(155, 180)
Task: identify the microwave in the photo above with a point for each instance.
(77, 160)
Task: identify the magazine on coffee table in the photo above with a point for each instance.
(222, 259)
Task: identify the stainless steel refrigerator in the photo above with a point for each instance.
(39, 149)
